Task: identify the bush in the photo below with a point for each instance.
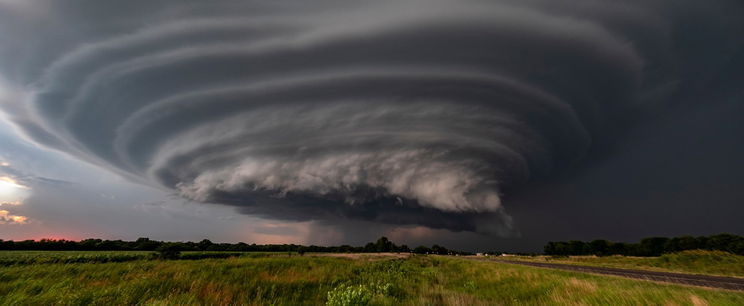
(168, 251)
(349, 295)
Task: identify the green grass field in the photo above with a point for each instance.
(276, 279)
(695, 261)
(8, 258)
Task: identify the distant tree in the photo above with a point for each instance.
(88, 244)
(240, 246)
(599, 247)
(370, 247)
(618, 248)
(653, 246)
(576, 247)
(687, 243)
(702, 242)
(146, 244)
(345, 248)
(422, 250)
(551, 248)
(437, 249)
(164, 248)
(217, 247)
(722, 242)
(738, 247)
(204, 244)
(384, 245)
(109, 245)
(168, 251)
(672, 245)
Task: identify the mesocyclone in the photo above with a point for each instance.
(404, 112)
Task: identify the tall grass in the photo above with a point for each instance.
(693, 261)
(275, 280)
(8, 258)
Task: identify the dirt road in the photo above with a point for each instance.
(731, 283)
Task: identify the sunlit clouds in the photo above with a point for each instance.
(12, 194)
(6, 213)
(12, 191)
(11, 183)
(7, 218)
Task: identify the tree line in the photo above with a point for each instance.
(383, 244)
(652, 246)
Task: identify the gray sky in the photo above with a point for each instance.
(473, 124)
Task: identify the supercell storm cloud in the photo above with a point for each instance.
(399, 112)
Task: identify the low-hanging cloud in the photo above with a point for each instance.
(401, 112)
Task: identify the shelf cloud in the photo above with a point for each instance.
(400, 112)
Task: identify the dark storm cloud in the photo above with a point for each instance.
(399, 112)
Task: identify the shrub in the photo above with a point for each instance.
(346, 295)
(168, 251)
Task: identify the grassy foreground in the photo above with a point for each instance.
(694, 261)
(280, 280)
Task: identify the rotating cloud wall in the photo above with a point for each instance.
(401, 112)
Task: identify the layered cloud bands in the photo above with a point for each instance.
(402, 112)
